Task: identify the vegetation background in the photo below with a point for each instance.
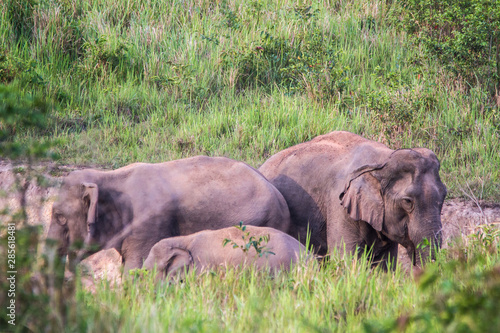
(110, 82)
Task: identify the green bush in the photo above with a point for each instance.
(463, 34)
(397, 108)
(22, 113)
(21, 16)
(104, 56)
(10, 67)
(306, 62)
(42, 301)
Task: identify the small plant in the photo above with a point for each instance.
(139, 274)
(232, 19)
(105, 55)
(424, 245)
(10, 67)
(251, 242)
(178, 74)
(305, 12)
(255, 8)
(212, 38)
(485, 239)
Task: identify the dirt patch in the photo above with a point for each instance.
(38, 198)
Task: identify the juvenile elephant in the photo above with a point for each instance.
(356, 193)
(205, 250)
(132, 208)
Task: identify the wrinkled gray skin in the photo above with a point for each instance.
(205, 250)
(132, 208)
(356, 192)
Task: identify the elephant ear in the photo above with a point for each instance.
(90, 197)
(362, 199)
(173, 261)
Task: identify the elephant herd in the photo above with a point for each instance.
(339, 190)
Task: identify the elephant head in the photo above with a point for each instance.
(401, 198)
(169, 260)
(73, 218)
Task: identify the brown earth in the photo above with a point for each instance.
(459, 217)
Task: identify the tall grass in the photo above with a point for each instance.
(306, 299)
(457, 292)
(160, 80)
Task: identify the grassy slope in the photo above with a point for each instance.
(155, 81)
(151, 83)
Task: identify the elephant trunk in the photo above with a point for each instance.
(425, 240)
(57, 237)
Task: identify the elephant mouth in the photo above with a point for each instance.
(418, 257)
(410, 250)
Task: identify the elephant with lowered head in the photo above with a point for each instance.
(132, 208)
(354, 193)
(209, 249)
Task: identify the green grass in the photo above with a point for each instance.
(304, 300)
(456, 293)
(160, 80)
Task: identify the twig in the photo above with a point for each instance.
(475, 200)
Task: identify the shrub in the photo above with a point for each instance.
(10, 67)
(463, 34)
(304, 62)
(21, 16)
(35, 288)
(22, 113)
(42, 301)
(106, 55)
(397, 109)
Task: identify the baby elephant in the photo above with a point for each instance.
(224, 247)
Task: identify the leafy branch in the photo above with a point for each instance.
(259, 244)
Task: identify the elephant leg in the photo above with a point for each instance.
(144, 235)
(387, 257)
(135, 251)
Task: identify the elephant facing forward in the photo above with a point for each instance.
(132, 208)
(359, 194)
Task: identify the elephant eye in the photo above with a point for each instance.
(407, 204)
(61, 219)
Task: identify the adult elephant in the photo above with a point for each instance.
(356, 193)
(134, 207)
